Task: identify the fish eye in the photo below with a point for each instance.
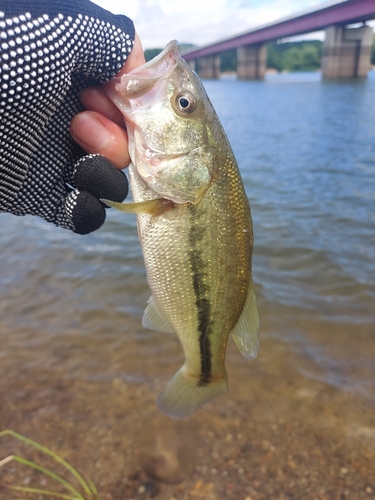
(186, 102)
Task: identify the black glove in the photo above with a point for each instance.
(49, 51)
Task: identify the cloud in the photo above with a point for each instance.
(201, 21)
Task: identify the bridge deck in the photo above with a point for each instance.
(347, 12)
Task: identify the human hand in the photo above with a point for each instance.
(101, 130)
(60, 53)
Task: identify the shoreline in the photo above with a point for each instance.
(277, 434)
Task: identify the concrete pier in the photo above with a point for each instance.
(346, 52)
(193, 64)
(209, 67)
(251, 62)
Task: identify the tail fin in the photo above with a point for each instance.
(182, 395)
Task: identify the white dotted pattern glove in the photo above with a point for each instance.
(49, 51)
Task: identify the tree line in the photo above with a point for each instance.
(286, 56)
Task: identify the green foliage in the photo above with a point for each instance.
(294, 56)
(151, 53)
(228, 60)
(286, 56)
(89, 491)
(187, 46)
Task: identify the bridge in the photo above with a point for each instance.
(346, 49)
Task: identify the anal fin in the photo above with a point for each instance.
(154, 319)
(246, 332)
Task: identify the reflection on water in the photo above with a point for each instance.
(306, 150)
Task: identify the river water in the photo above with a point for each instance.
(306, 150)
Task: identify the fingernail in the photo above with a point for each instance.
(90, 132)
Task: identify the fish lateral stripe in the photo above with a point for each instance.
(204, 327)
(201, 290)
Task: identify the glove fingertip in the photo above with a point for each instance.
(97, 175)
(87, 214)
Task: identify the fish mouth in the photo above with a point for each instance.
(159, 66)
(156, 160)
(156, 157)
(140, 80)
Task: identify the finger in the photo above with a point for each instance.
(95, 99)
(95, 174)
(94, 177)
(81, 212)
(97, 134)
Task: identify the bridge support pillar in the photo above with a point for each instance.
(193, 64)
(346, 52)
(251, 62)
(209, 67)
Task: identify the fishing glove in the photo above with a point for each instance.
(49, 51)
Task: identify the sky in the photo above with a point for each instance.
(202, 21)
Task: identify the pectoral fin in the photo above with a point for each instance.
(152, 207)
(246, 332)
(154, 319)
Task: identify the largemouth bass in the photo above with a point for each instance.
(194, 224)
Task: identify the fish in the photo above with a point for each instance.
(194, 225)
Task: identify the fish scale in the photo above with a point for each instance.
(197, 253)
